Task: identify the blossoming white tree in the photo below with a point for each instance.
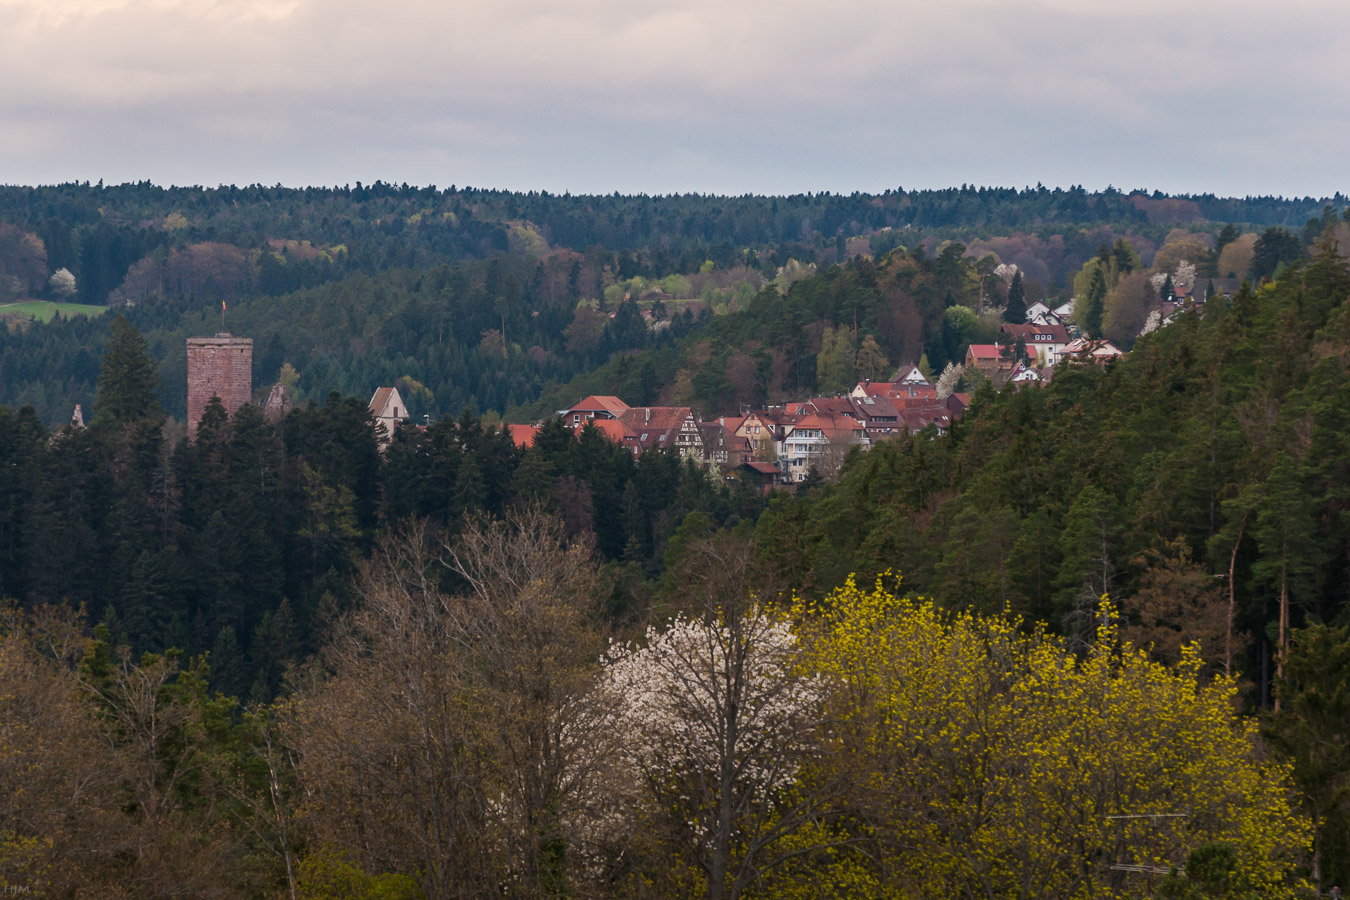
(62, 283)
(949, 379)
(718, 717)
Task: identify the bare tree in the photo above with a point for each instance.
(451, 738)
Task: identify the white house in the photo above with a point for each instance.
(388, 409)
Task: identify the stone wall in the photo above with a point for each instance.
(219, 366)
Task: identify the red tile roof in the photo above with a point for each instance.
(523, 435)
(611, 428)
(610, 404)
(1057, 333)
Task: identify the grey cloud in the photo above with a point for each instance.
(660, 95)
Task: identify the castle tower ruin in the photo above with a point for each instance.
(219, 366)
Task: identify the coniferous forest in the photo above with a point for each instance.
(1091, 640)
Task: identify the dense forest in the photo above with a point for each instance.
(488, 298)
(277, 661)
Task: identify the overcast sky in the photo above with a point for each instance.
(726, 96)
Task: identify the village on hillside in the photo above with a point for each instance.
(782, 446)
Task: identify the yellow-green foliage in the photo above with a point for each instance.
(329, 874)
(989, 759)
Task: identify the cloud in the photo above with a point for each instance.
(663, 95)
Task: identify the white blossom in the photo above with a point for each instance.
(1006, 271)
(62, 283)
(1185, 273)
(948, 380)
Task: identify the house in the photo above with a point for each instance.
(1044, 342)
(1096, 351)
(879, 416)
(991, 359)
(764, 475)
(909, 375)
(956, 405)
(1023, 374)
(721, 446)
(1064, 312)
(388, 409)
(593, 407)
(917, 418)
(818, 440)
(1039, 313)
(662, 428)
(611, 428)
(763, 429)
(522, 435)
(892, 390)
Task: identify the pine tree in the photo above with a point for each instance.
(1094, 305)
(469, 489)
(1016, 310)
(1090, 528)
(1287, 536)
(128, 380)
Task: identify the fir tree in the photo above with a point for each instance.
(1094, 305)
(128, 380)
(1016, 310)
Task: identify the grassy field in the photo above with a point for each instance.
(43, 310)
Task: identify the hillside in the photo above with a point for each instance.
(485, 298)
(1138, 479)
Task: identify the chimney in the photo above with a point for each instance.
(648, 411)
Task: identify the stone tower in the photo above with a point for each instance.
(219, 366)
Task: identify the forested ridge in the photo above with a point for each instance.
(488, 297)
(275, 661)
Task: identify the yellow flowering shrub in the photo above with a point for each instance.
(988, 760)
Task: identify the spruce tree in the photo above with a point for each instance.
(1094, 305)
(1016, 310)
(128, 380)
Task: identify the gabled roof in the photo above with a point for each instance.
(654, 418)
(1028, 332)
(833, 427)
(380, 400)
(775, 417)
(1098, 349)
(921, 417)
(610, 404)
(654, 426)
(610, 428)
(869, 408)
(984, 351)
(893, 390)
(523, 435)
(731, 423)
(909, 374)
(837, 406)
